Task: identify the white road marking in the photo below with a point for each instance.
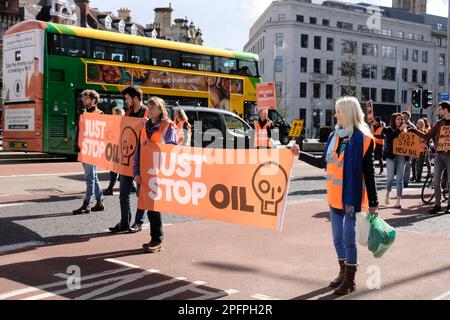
(179, 290)
(443, 296)
(263, 297)
(125, 264)
(59, 283)
(208, 295)
(23, 245)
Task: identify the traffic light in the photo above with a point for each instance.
(427, 99)
(417, 98)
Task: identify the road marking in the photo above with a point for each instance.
(23, 245)
(179, 290)
(443, 296)
(125, 264)
(58, 283)
(64, 174)
(295, 202)
(207, 295)
(263, 297)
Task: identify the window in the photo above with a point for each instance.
(425, 56)
(110, 51)
(369, 71)
(210, 121)
(410, 36)
(316, 90)
(348, 91)
(248, 68)
(370, 49)
(312, 20)
(405, 75)
(386, 32)
(330, 67)
(279, 64)
(304, 41)
(317, 63)
(401, 34)
(441, 79)
(415, 55)
(365, 94)
(439, 42)
(317, 42)
(373, 94)
(442, 58)
(389, 52)
(329, 118)
(405, 54)
(196, 62)
(404, 96)
(420, 37)
(440, 26)
(165, 58)
(348, 69)
(389, 73)
(281, 17)
(300, 18)
(414, 76)
(225, 65)
(303, 65)
(388, 95)
(235, 125)
(329, 91)
(279, 39)
(68, 46)
(330, 44)
(424, 77)
(326, 22)
(303, 89)
(344, 25)
(349, 46)
(140, 54)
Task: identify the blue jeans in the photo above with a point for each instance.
(92, 184)
(395, 167)
(343, 225)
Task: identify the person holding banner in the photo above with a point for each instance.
(183, 128)
(263, 130)
(133, 99)
(90, 99)
(395, 164)
(351, 187)
(408, 165)
(158, 129)
(440, 133)
(377, 130)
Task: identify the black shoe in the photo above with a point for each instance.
(436, 210)
(447, 211)
(108, 192)
(153, 247)
(413, 180)
(98, 206)
(135, 228)
(119, 228)
(85, 208)
(133, 189)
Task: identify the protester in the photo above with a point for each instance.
(183, 127)
(90, 99)
(133, 99)
(351, 187)
(263, 130)
(442, 160)
(117, 111)
(423, 157)
(377, 130)
(158, 129)
(407, 174)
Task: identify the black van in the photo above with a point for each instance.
(217, 129)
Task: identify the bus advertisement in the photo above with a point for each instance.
(48, 65)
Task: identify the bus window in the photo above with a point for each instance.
(225, 65)
(196, 62)
(64, 45)
(110, 51)
(165, 58)
(140, 54)
(248, 68)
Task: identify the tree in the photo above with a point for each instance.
(349, 67)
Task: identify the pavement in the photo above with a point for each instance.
(43, 248)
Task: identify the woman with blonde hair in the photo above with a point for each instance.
(349, 163)
(158, 129)
(183, 127)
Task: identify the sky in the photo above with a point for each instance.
(224, 24)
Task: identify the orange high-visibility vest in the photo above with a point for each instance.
(180, 131)
(157, 136)
(378, 133)
(335, 179)
(261, 136)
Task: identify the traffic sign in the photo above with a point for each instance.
(444, 96)
(297, 127)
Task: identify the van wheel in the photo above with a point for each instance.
(285, 140)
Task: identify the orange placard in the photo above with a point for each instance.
(191, 182)
(444, 139)
(369, 111)
(109, 141)
(266, 95)
(408, 144)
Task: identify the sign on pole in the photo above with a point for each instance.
(444, 96)
(297, 127)
(369, 111)
(266, 96)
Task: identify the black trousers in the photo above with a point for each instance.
(379, 155)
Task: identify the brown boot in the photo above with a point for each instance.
(348, 285)
(85, 208)
(98, 206)
(338, 281)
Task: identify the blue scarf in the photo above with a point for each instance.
(353, 169)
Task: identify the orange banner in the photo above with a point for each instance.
(109, 141)
(265, 95)
(191, 182)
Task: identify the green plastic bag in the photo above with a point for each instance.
(381, 236)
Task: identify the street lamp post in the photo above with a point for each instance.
(317, 117)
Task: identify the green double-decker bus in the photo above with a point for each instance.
(47, 65)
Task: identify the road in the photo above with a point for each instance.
(202, 259)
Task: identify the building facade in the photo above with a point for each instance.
(317, 53)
